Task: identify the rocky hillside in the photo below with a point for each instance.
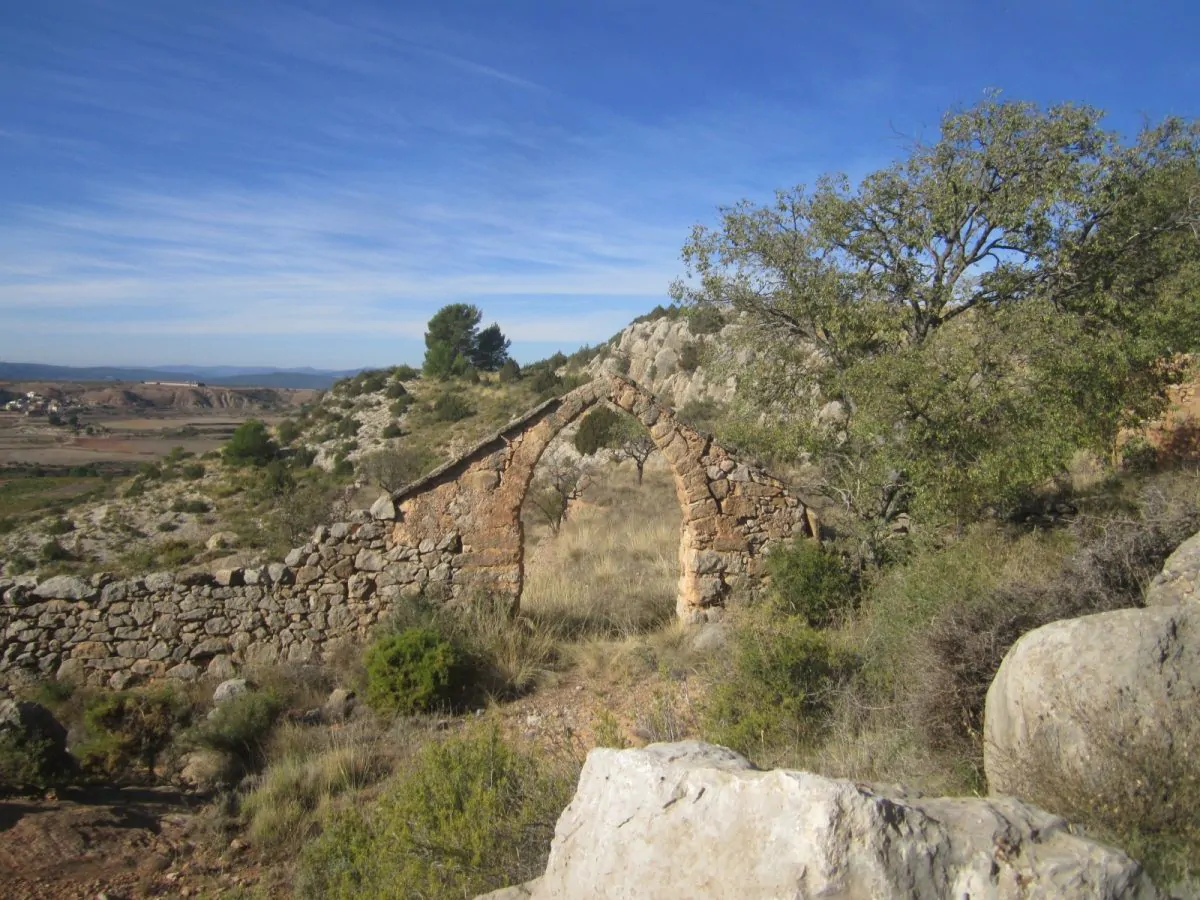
(679, 358)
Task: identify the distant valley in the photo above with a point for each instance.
(225, 376)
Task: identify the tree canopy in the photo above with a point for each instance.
(978, 311)
(454, 343)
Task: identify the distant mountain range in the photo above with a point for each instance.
(224, 376)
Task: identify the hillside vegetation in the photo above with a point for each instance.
(957, 359)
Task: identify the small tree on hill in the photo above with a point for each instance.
(250, 445)
(454, 343)
(491, 349)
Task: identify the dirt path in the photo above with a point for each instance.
(117, 843)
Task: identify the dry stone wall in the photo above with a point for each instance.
(455, 535)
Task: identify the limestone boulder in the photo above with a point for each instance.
(206, 771)
(66, 587)
(221, 540)
(1066, 688)
(1179, 581)
(229, 689)
(694, 820)
(384, 508)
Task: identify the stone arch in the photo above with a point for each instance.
(459, 528)
(680, 444)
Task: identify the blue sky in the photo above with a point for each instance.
(305, 183)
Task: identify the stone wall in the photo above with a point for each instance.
(456, 534)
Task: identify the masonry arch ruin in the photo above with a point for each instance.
(462, 522)
(455, 532)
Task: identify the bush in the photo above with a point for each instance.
(1139, 788)
(411, 671)
(965, 642)
(297, 791)
(32, 755)
(395, 391)
(393, 469)
(471, 816)
(287, 431)
(53, 551)
(705, 320)
(451, 408)
(596, 430)
(193, 506)
(192, 472)
(392, 430)
(59, 526)
(809, 581)
(343, 468)
(509, 372)
(690, 356)
(400, 407)
(250, 445)
(780, 689)
(127, 731)
(240, 727)
(405, 373)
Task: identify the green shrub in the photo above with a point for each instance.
(19, 564)
(450, 407)
(392, 430)
(705, 320)
(411, 671)
(287, 431)
(509, 372)
(348, 427)
(472, 815)
(343, 468)
(194, 506)
(25, 763)
(53, 551)
(8, 524)
(405, 373)
(372, 381)
(166, 527)
(250, 445)
(240, 727)
(779, 691)
(400, 407)
(136, 488)
(59, 526)
(809, 581)
(192, 471)
(126, 732)
(395, 391)
(690, 356)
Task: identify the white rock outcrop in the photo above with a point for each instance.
(694, 820)
(650, 354)
(1067, 685)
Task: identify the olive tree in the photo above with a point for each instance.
(977, 310)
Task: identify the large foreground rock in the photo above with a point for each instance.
(1072, 689)
(694, 820)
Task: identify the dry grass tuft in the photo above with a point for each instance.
(312, 771)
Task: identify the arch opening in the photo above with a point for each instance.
(600, 530)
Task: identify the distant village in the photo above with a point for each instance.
(34, 404)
